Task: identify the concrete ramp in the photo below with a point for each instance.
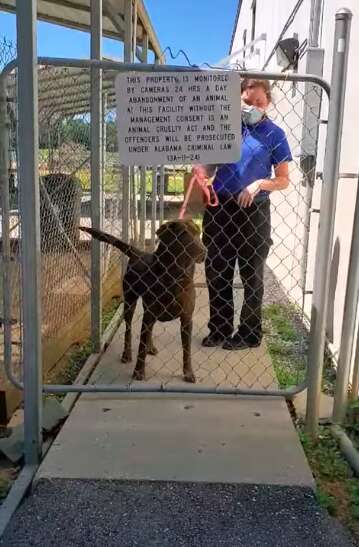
(170, 438)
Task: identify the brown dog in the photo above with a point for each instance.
(164, 280)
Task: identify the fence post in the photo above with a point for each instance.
(349, 323)
(96, 172)
(28, 146)
(143, 170)
(5, 223)
(355, 380)
(326, 228)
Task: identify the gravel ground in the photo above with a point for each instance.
(70, 513)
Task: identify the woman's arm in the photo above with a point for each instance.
(279, 182)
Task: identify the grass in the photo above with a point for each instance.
(286, 344)
(287, 340)
(337, 488)
(77, 357)
(110, 183)
(351, 424)
(175, 183)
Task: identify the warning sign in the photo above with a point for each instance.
(178, 117)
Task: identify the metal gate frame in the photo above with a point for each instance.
(26, 63)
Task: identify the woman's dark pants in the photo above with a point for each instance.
(234, 234)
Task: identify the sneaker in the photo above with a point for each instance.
(213, 340)
(237, 342)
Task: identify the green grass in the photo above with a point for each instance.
(351, 424)
(287, 341)
(80, 353)
(337, 488)
(284, 344)
(109, 312)
(175, 183)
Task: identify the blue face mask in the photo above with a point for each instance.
(251, 115)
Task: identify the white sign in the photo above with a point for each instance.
(178, 117)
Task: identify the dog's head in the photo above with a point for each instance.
(183, 239)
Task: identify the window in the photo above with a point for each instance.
(244, 43)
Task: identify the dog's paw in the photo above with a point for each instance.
(126, 357)
(189, 377)
(152, 350)
(138, 375)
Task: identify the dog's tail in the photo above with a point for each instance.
(128, 250)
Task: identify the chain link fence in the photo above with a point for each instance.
(156, 195)
(10, 348)
(280, 359)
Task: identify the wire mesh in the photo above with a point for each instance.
(156, 193)
(8, 53)
(278, 357)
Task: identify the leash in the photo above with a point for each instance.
(210, 198)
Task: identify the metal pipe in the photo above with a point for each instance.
(347, 448)
(28, 143)
(161, 388)
(162, 193)
(143, 168)
(143, 207)
(128, 58)
(96, 172)
(315, 21)
(349, 323)
(153, 206)
(326, 227)
(5, 224)
(133, 189)
(306, 227)
(16, 494)
(128, 66)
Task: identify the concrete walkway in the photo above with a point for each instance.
(222, 440)
(190, 470)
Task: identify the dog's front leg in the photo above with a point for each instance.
(146, 334)
(186, 337)
(129, 309)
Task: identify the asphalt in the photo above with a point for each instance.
(98, 513)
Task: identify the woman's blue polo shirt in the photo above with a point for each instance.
(264, 145)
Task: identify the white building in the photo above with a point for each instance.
(258, 27)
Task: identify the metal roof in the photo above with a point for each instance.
(65, 91)
(76, 14)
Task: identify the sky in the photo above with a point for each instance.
(202, 28)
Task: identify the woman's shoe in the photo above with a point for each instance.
(213, 340)
(238, 342)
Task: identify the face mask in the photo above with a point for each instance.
(251, 115)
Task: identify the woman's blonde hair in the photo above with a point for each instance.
(264, 84)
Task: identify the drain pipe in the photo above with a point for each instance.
(347, 448)
(315, 22)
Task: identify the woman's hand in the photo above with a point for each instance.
(204, 171)
(246, 197)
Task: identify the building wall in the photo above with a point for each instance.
(270, 19)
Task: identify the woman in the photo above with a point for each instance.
(239, 229)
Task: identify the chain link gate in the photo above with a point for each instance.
(278, 365)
